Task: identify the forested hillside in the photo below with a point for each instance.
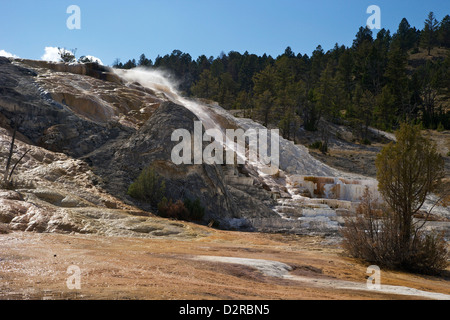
(380, 81)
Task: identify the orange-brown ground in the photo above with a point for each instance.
(34, 266)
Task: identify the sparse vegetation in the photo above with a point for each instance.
(196, 210)
(151, 188)
(148, 187)
(66, 55)
(8, 181)
(181, 210)
(321, 146)
(407, 172)
(316, 145)
(84, 59)
(374, 236)
(172, 210)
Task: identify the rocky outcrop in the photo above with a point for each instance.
(44, 121)
(120, 163)
(115, 130)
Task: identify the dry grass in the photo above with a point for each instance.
(358, 161)
(33, 266)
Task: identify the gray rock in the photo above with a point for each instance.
(118, 152)
(122, 162)
(44, 121)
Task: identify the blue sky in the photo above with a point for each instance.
(125, 29)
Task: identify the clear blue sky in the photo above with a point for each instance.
(125, 29)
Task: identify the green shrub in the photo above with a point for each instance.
(316, 145)
(440, 127)
(196, 211)
(148, 187)
(323, 147)
(366, 142)
(162, 205)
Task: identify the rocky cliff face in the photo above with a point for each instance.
(86, 115)
(89, 133)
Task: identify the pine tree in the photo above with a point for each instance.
(144, 62)
(207, 86)
(363, 35)
(344, 74)
(405, 37)
(429, 33)
(385, 109)
(397, 81)
(444, 32)
(264, 103)
(430, 82)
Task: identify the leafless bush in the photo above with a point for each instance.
(374, 234)
(173, 210)
(8, 182)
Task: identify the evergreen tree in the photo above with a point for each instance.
(264, 103)
(344, 74)
(227, 90)
(310, 113)
(364, 35)
(363, 55)
(430, 33)
(429, 88)
(207, 86)
(263, 81)
(244, 102)
(144, 62)
(405, 37)
(318, 63)
(398, 82)
(385, 109)
(444, 32)
(117, 64)
(130, 64)
(325, 92)
(374, 82)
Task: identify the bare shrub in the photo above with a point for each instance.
(171, 210)
(374, 234)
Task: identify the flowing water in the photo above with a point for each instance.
(313, 194)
